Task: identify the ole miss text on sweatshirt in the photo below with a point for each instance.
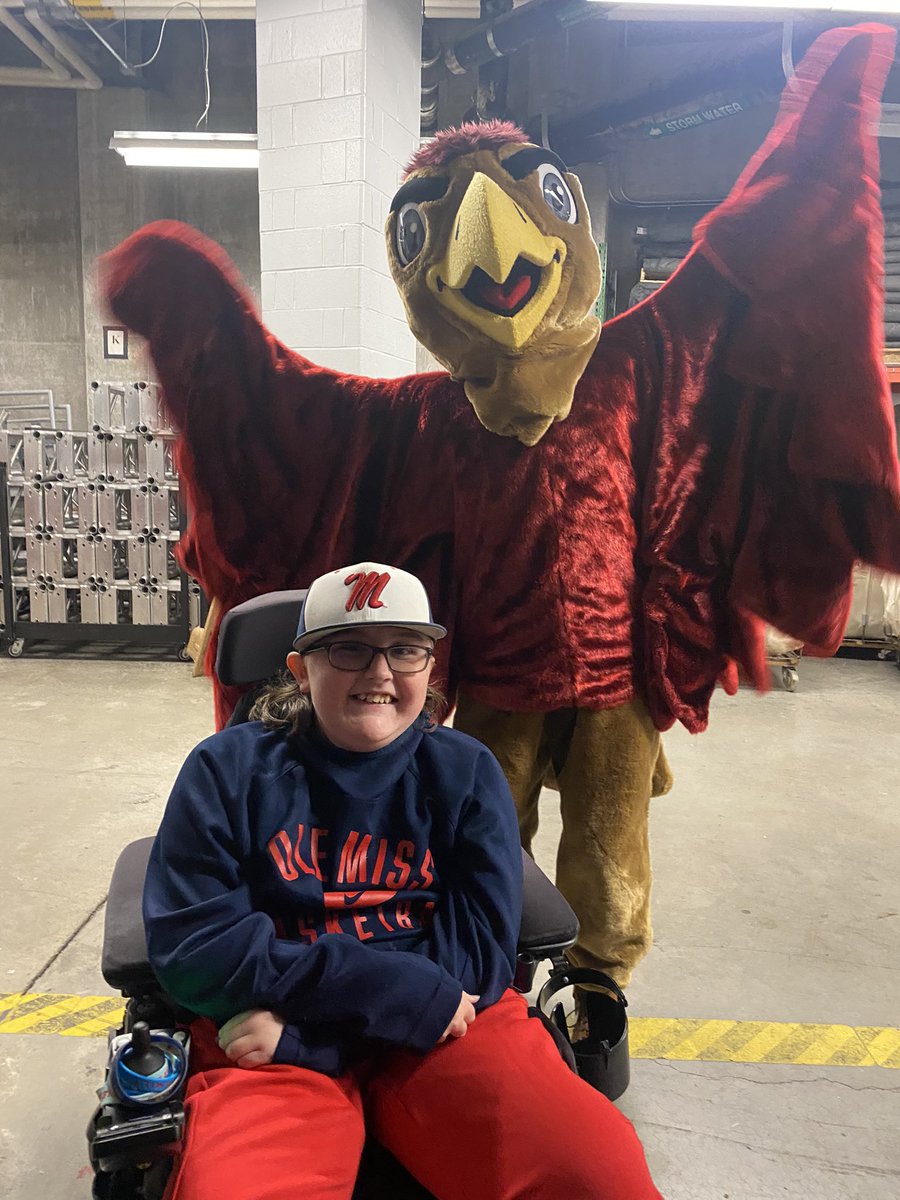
(356, 895)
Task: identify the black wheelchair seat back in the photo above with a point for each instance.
(254, 639)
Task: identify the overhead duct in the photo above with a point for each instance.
(590, 135)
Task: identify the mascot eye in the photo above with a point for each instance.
(556, 194)
(410, 235)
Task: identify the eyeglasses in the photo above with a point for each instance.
(359, 656)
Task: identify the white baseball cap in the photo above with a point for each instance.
(365, 594)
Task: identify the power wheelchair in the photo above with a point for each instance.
(131, 1147)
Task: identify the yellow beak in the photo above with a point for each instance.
(500, 272)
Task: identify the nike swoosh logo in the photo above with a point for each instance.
(369, 899)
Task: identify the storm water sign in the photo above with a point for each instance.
(663, 126)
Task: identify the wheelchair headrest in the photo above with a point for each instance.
(255, 637)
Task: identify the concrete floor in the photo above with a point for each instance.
(776, 898)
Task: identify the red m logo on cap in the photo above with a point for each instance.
(369, 587)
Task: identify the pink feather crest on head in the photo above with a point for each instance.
(464, 139)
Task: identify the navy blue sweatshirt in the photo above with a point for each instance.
(356, 895)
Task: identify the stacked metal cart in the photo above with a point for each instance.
(89, 522)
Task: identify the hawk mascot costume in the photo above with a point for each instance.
(603, 523)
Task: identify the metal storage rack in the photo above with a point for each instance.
(89, 522)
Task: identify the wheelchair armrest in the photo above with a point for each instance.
(548, 924)
(124, 957)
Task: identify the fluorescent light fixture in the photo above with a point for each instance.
(186, 149)
(868, 7)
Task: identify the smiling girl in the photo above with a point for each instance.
(336, 892)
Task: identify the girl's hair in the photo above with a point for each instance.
(281, 705)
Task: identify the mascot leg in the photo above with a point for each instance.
(613, 767)
(526, 744)
(607, 764)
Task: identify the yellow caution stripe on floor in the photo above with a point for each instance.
(649, 1037)
(48, 1012)
(764, 1042)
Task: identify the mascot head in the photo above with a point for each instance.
(490, 244)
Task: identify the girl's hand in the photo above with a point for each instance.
(462, 1018)
(250, 1038)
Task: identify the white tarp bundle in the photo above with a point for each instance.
(875, 610)
(874, 613)
(891, 586)
(780, 645)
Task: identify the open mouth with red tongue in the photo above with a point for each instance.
(507, 298)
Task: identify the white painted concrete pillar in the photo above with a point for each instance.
(338, 118)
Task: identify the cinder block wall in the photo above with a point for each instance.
(338, 118)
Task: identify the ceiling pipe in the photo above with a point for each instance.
(56, 72)
(213, 10)
(36, 47)
(510, 32)
(89, 77)
(431, 71)
(494, 40)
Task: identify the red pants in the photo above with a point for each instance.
(496, 1115)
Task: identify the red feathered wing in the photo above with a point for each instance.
(288, 468)
(773, 464)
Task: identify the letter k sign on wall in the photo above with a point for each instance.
(115, 341)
